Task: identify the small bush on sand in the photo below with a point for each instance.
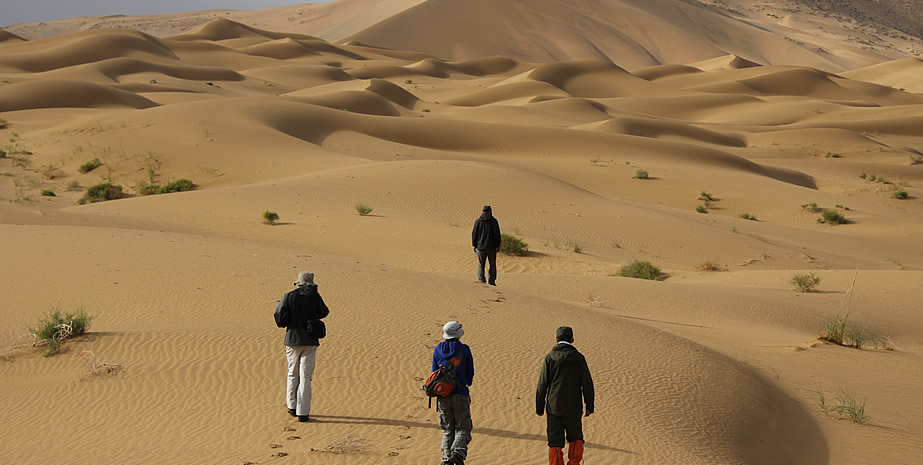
(54, 328)
(701, 209)
(805, 282)
(831, 217)
(90, 166)
(3, 123)
(706, 196)
(641, 174)
(101, 193)
(270, 218)
(709, 265)
(810, 207)
(900, 195)
(181, 185)
(746, 216)
(48, 193)
(641, 270)
(842, 406)
(916, 159)
(512, 245)
(363, 209)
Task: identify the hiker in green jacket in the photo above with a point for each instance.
(563, 387)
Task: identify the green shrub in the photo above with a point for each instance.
(916, 159)
(576, 248)
(900, 195)
(641, 270)
(363, 209)
(805, 282)
(3, 123)
(641, 174)
(53, 329)
(270, 218)
(101, 193)
(90, 166)
(706, 196)
(512, 245)
(181, 185)
(701, 209)
(810, 206)
(863, 175)
(833, 155)
(843, 405)
(831, 217)
(746, 216)
(48, 193)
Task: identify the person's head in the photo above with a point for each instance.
(452, 330)
(565, 334)
(305, 278)
(487, 210)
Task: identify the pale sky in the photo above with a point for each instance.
(33, 11)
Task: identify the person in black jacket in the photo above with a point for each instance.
(295, 311)
(563, 387)
(485, 237)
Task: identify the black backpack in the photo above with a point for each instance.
(444, 380)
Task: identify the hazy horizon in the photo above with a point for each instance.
(49, 10)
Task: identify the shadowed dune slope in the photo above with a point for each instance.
(61, 94)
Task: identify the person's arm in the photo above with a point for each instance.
(434, 360)
(283, 313)
(586, 382)
(498, 236)
(470, 370)
(322, 310)
(474, 235)
(541, 392)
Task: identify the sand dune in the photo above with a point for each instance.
(717, 367)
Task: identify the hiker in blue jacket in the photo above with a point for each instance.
(455, 410)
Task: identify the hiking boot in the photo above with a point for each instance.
(456, 459)
(303, 418)
(291, 412)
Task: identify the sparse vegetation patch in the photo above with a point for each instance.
(53, 329)
(842, 406)
(270, 218)
(831, 217)
(90, 166)
(641, 270)
(512, 245)
(641, 174)
(805, 282)
(101, 193)
(363, 209)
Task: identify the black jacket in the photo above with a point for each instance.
(294, 311)
(565, 383)
(486, 233)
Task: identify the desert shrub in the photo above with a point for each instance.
(831, 217)
(641, 270)
(863, 176)
(102, 192)
(843, 405)
(576, 248)
(512, 245)
(52, 172)
(641, 174)
(810, 206)
(706, 196)
(805, 282)
(148, 189)
(90, 166)
(73, 185)
(48, 193)
(409, 81)
(709, 265)
(54, 328)
(181, 185)
(900, 195)
(3, 123)
(426, 110)
(363, 209)
(270, 218)
(746, 216)
(701, 209)
(916, 159)
(833, 155)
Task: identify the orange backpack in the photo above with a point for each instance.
(443, 381)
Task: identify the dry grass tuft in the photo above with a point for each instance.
(709, 265)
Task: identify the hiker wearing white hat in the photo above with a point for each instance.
(300, 312)
(455, 409)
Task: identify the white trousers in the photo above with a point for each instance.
(300, 371)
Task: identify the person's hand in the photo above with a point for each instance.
(538, 413)
(498, 249)
(588, 413)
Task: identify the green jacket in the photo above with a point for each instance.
(565, 383)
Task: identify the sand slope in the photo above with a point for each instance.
(702, 368)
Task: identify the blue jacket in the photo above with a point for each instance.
(465, 373)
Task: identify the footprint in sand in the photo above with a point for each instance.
(288, 428)
(292, 438)
(275, 446)
(279, 454)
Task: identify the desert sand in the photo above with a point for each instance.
(704, 367)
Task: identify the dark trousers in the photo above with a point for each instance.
(570, 426)
(483, 256)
